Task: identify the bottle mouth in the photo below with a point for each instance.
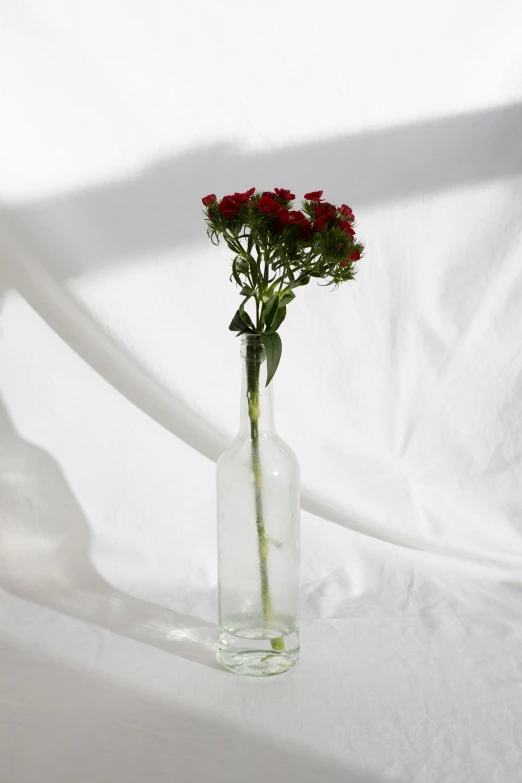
(251, 339)
(252, 347)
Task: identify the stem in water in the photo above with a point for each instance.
(253, 360)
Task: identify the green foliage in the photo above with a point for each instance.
(278, 320)
(270, 311)
(273, 256)
(286, 297)
(273, 347)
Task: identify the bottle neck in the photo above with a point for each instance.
(257, 408)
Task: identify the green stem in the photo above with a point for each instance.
(267, 266)
(253, 360)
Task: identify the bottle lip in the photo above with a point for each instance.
(251, 338)
(252, 345)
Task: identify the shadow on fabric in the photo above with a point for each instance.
(158, 209)
(45, 546)
(108, 732)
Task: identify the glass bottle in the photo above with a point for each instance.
(258, 534)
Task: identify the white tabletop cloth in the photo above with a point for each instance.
(401, 392)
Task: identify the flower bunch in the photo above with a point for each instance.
(277, 249)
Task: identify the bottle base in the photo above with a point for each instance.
(261, 657)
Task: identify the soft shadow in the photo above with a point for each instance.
(159, 208)
(124, 372)
(25, 269)
(76, 727)
(45, 545)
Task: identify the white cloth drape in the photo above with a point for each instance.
(119, 387)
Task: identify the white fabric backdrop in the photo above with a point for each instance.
(119, 384)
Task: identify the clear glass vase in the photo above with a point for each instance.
(258, 534)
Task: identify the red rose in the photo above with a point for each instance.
(269, 193)
(314, 195)
(283, 194)
(345, 210)
(209, 200)
(320, 224)
(267, 205)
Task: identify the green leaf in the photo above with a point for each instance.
(244, 315)
(286, 297)
(271, 310)
(235, 273)
(242, 322)
(248, 321)
(273, 348)
(278, 320)
(236, 324)
(253, 271)
(303, 279)
(246, 291)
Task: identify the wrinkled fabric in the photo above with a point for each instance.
(400, 392)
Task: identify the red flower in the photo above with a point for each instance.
(228, 206)
(306, 229)
(209, 200)
(267, 205)
(354, 256)
(320, 224)
(324, 210)
(283, 194)
(294, 216)
(269, 193)
(345, 210)
(338, 246)
(242, 198)
(314, 195)
(346, 227)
